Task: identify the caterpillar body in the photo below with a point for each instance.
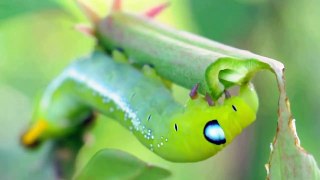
(179, 133)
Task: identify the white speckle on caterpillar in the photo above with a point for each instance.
(158, 145)
(166, 139)
(136, 122)
(161, 143)
(116, 98)
(152, 137)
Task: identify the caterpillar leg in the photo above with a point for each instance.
(209, 99)
(90, 119)
(194, 91)
(119, 55)
(194, 95)
(150, 72)
(227, 94)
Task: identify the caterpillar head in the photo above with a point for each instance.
(201, 130)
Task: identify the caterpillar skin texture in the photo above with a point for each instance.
(179, 133)
(145, 41)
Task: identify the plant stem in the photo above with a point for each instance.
(178, 56)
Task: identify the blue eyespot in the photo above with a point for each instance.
(214, 133)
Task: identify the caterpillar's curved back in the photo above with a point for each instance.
(144, 106)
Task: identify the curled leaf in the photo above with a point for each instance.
(226, 72)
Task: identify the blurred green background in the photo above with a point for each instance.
(37, 40)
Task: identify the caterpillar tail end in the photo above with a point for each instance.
(31, 138)
(154, 11)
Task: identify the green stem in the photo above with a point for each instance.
(180, 57)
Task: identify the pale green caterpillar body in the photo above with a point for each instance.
(179, 133)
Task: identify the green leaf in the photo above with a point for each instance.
(11, 8)
(288, 160)
(116, 164)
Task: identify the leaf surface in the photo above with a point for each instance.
(116, 164)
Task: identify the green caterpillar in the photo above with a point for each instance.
(179, 133)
